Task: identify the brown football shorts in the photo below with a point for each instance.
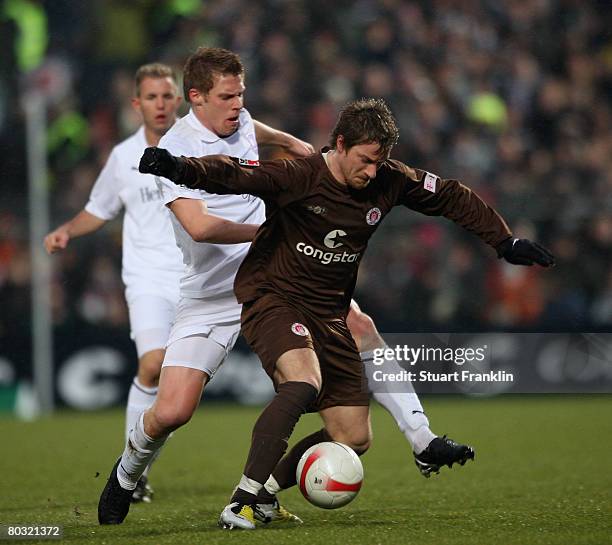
(272, 325)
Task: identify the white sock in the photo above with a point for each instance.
(249, 485)
(400, 400)
(140, 399)
(139, 450)
(272, 486)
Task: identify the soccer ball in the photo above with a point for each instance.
(329, 475)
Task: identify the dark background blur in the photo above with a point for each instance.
(511, 97)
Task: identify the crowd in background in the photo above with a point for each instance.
(513, 98)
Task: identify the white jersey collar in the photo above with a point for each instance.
(206, 134)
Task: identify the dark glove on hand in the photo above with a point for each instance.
(524, 252)
(160, 162)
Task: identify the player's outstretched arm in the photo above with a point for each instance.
(219, 173)
(267, 136)
(434, 196)
(204, 227)
(82, 224)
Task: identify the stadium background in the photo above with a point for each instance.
(511, 97)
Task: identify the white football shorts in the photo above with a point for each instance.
(151, 317)
(203, 333)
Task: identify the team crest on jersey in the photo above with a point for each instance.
(300, 329)
(429, 183)
(248, 163)
(373, 216)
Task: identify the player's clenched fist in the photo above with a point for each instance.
(56, 240)
(524, 252)
(160, 162)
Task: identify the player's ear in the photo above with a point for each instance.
(136, 103)
(196, 97)
(340, 143)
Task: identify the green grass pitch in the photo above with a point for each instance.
(542, 476)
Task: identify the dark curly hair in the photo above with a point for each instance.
(366, 121)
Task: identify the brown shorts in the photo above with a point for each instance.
(272, 326)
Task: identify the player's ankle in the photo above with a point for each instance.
(126, 482)
(265, 497)
(420, 438)
(243, 497)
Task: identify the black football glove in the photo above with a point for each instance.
(520, 251)
(160, 162)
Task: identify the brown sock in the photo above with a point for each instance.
(265, 497)
(272, 431)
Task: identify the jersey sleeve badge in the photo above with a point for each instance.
(249, 163)
(300, 329)
(430, 181)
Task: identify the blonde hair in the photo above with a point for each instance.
(152, 70)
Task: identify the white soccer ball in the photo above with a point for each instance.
(329, 475)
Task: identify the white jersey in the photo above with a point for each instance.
(210, 268)
(151, 262)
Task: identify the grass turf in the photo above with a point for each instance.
(542, 476)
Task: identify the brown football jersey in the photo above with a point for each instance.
(317, 229)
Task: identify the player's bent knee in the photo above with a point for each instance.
(360, 447)
(361, 442)
(148, 378)
(314, 381)
(360, 324)
(358, 439)
(171, 418)
(149, 368)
